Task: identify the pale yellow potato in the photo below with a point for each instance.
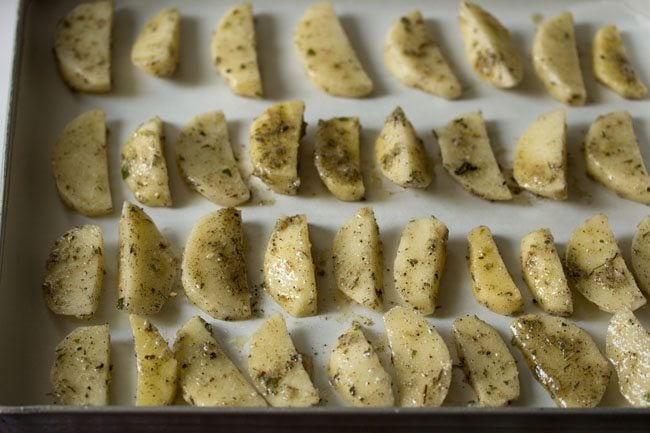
(156, 49)
(641, 255)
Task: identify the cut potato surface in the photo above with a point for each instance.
(641, 255)
(80, 165)
(156, 50)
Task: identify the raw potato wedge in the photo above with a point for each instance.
(144, 169)
(401, 154)
(356, 373)
(556, 62)
(540, 164)
(289, 268)
(468, 157)
(146, 270)
(563, 358)
(488, 364)
(357, 259)
(207, 376)
(628, 349)
(595, 268)
(543, 273)
(213, 267)
(156, 50)
(420, 356)
(414, 58)
(613, 158)
(80, 165)
(75, 272)
(420, 262)
(156, 365)
(492, 284)
(206, 161)
(612, 66)
(81, 373)
(234, 51)
(274, 141)
(277, 369)
(336, 157)
(82, 47)
(641, 255)
(489, 48)
(327, 55)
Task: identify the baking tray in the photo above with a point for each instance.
(33, 216)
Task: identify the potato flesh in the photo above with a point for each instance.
(80, 165)
(156, 50)
(420, 357)
(641, 255)
(563, 358)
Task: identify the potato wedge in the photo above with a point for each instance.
(488, 364)
(82, 47)
(420, 263)
(542, 271)
(206, 161)
(468, 157)
(156, 49)
(289, 268)
(414, 58)
(157, 368)
(401, 154)
(541, 158)
(207, 376)
(595, 267)
(144, 169)
(357, 259)
(336, 157)
(612, 66)
(628, 349)
(489, 48)
(234, 51)
(81, 373)
(356, 373)
(146, 270)
(327, 55)
(80, 165)
(213, 268)
(641, 255)
(492, 284)
(274, 142)
(613, 158)
(420, 356)
(563, 358)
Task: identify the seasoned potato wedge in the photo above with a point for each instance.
(207, 376)
(81, 373)
(146, 270)
(541, 158)
(356, 373)
(206, 161)
(543, 273)
(213, 267)
(156, 50)
(468, 157)
(82, 47)
(401, 154)
(234, 51)
(156, 365)
(641, 255)
(327, 55)
(595, 267)
(492, 284)
(420, 262)
(336, 157)
(488, 364)
(143, 164)
(80, 165)
(274, 141)
(488, 47)
(563, 358)
(357, 259)
(420, 356)
(413, 57)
